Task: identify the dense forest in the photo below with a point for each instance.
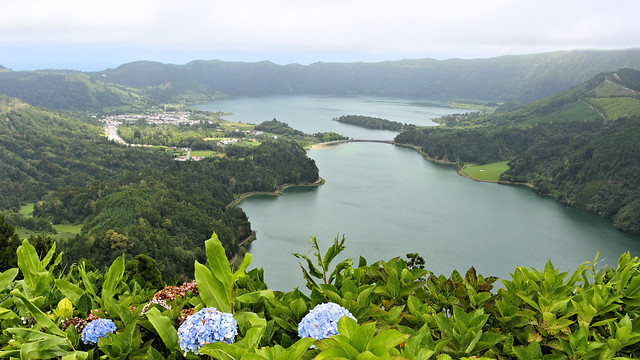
(370, 122)
(134, 200)
(589, 159)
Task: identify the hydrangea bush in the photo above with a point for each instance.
(322, 321)
(206, 326)
(96, 329)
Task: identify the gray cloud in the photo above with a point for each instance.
(390, 29)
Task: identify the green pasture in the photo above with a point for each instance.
(617, 107)
(202, 153)
(487, 172)
(27, 210)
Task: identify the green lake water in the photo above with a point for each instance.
(389, 201)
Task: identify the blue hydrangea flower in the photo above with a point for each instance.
(96, 329)
(206, 326)
(322, 321)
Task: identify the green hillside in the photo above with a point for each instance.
(69, 90)
(133, 86)
(581, 146)
(522, 78)
(131, 199)
(608, 96)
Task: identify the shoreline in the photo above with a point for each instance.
(460, 167)
(279, 191)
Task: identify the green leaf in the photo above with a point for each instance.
(42, 319)
(88, 283)
(6, 314)
(113, 278)
(247, 320)
(218, 263)
(393, 284)
(252, 297)
(7, 277)
(388, 339)
(211, 289)
(70, 290)
(78, 355)
(332, 252)
(362, 336)
(47, 258)
(164, 328)
(252, 337)
(246, 261)
(43, 349)
(347, 326)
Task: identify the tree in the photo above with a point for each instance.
(146, 268)
(9, 242)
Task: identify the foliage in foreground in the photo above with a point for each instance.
(401, 311)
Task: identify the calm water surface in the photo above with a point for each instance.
(389, 201)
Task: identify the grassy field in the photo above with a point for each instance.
(68, 228)
(615, 108)
(202, 153)
(27, 210)
(487, 172)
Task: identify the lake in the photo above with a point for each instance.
(389, 201)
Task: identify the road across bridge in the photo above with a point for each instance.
(357, 140)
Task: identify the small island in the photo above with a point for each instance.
(374, 123)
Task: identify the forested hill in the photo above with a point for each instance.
(132, 86)
(70, 90)
(581, 146)
(521, 78)
(133, 200)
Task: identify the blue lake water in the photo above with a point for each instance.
(389, 201)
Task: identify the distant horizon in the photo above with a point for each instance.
(112, 61)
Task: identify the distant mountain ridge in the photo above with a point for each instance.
(134, 86)
(521, 78)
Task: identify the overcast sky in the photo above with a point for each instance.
(98, 34)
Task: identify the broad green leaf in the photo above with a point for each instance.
(211, 289)
(25, 335)
(249, 320)
(362, 336)
(42, 319)
(389, 339)
(252, 337)
(347, 326)
(88, 283)
(297, 350)
(217, 261)
(70, 290)
(43, 349)
(28, 261)
(6, 314)
(246, 261)
(164, 327)
(7, 278)
(153, 354)
(78, 355)
(393, 284)
(252, 297)
(113, 278)
(64, 310)
(47, 258)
